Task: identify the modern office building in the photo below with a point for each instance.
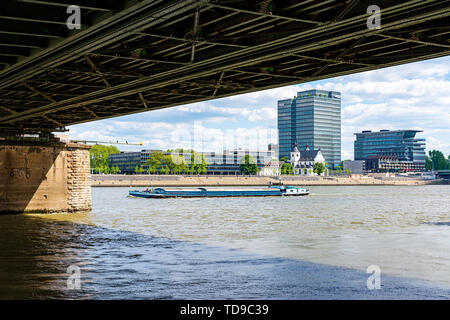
(219, 163)
(355, 167)
(391, 164)
(228, 162)
(397, 150)
(125, 161)
(147, 154)
(311, 119)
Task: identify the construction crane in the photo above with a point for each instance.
(107, 142)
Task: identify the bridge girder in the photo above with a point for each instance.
(136, 56)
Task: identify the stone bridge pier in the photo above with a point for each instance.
(44, 177)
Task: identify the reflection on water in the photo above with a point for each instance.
(236, 247)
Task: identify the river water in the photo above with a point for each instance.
(316, 246)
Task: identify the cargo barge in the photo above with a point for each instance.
(219, 192)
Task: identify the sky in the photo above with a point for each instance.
(410, 96)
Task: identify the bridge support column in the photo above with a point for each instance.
(38, 177)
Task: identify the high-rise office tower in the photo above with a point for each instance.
(312, 119)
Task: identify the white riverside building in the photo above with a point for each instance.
(303, 161)
(218, 163)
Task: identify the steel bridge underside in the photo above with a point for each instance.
(136, 56)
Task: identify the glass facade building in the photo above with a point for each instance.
(313, 119)
(402, 144)
(125, 161)
(221, 163)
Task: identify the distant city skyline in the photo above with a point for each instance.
(412, 96)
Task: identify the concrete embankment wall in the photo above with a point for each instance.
(44, 177)
(174, 180)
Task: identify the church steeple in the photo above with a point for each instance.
(295, 156)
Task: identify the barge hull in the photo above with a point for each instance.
(213, 196)
(204, 193)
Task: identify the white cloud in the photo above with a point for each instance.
(185, 135)
(253, 113)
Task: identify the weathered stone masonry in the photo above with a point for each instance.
(44, 177)
(79, 179)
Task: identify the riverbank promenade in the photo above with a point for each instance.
(193, 181)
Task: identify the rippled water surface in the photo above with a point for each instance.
(317, 246)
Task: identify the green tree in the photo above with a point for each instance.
(154, 163)
(285, 159)
(165, 163)
(198, 164)
(438, 161)
(319, 168)
(191, 169)
(287, 168)
(180, 165)
(165, 170)
(99, 155)
(248, 165)
(115, 169)
(106, 169)
(428, 164)
(173, 162)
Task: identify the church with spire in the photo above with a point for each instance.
(303, 161)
